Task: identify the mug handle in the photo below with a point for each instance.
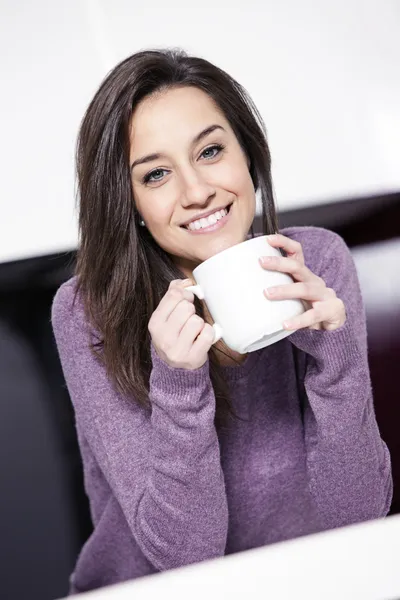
(197, 291)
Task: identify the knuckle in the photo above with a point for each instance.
(305, 290)
(318, 312)
(208, 331)
(297, 245)
(189, 307)
(341, 304)
(196, 320)
(296, 269)
(173, 283)
(331, 292)
(176, 293)
(314, 287)
(303, 268)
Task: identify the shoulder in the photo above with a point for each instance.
(323, 249)
(64, 299)
(314, 238)
(67, 311)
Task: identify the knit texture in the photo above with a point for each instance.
(167, 490)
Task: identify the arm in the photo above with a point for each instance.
(348, 463)
(163, 468)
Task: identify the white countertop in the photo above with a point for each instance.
(356, 562)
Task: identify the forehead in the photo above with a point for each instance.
(176, 114)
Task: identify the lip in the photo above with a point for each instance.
(218, 225)
(203, 215)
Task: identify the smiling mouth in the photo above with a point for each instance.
(211, 227)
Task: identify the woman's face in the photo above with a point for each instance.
(186, 161)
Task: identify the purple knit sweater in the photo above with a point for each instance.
(167, 490)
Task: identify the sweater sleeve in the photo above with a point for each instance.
(163, 465)
(348, 463)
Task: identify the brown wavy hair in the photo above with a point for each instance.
(122, 273)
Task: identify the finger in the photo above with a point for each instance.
(312, 291)
(204, 340)
(182, 312)
(195, 338)
(169, 302)
(321, 311)
(287, 265)
(185, 283)
(189, 332)
(179, 346)
(292, 248)
(179, 283)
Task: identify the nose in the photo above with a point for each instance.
(195, 188)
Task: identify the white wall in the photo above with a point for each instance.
(324, 75)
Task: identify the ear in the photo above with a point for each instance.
(248, 161)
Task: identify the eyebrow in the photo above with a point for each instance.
(196, 140)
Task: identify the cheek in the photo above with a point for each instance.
(235, 178)
(158, 206)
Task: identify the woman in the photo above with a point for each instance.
(190, 450)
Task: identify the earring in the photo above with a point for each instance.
(142, 223)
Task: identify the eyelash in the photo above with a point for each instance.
(219, 147)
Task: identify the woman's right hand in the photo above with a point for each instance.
(181, 338)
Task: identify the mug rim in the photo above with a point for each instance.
(214, 256)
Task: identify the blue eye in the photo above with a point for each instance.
(154, 176)
(158, 174)
(212, 151)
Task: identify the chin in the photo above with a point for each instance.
(223, 243)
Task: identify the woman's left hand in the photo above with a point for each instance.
(327, 310)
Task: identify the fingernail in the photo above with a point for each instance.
(270, 291)
(288, 324)
(265, 259)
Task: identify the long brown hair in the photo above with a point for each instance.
(122, 273)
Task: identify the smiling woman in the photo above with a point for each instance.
(171, 150)
(191, 451)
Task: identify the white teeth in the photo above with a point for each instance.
(207, 221)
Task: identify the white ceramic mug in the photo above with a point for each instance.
(231, 283)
